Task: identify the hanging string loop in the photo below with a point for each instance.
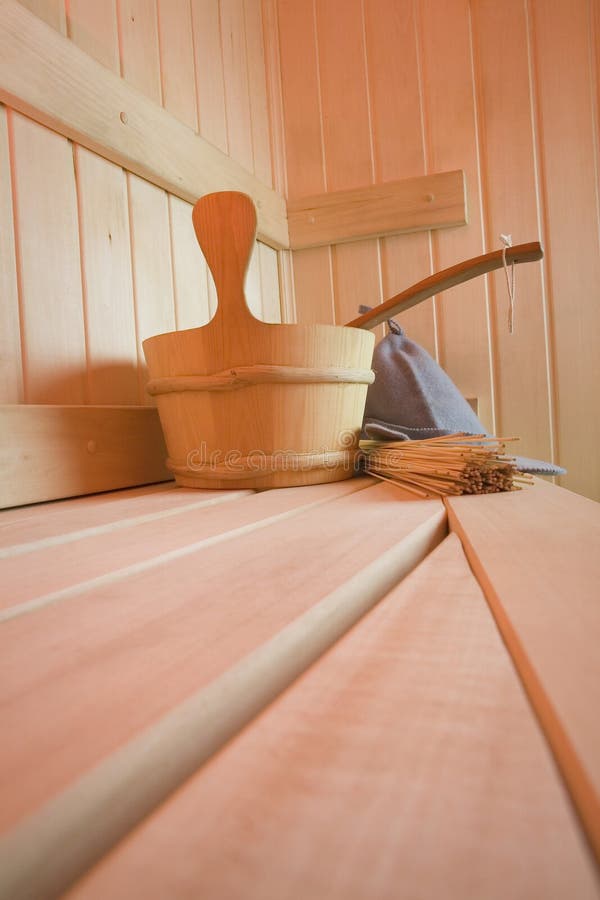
(506, 240)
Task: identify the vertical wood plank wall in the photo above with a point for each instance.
(375, 90)
(369, 90)
(94, 259)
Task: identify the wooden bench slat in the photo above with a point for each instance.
(80, 678)
(48, 574)
(533, 554)
(29, 528)
(406, 762)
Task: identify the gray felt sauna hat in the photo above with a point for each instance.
(412, 398)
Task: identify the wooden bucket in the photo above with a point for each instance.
(244, 404)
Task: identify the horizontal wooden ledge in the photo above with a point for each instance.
(47, 77)
(50, 452)
(413, 204)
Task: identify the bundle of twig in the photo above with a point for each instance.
(449, 465)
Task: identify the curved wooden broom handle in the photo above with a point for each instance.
(445, 279)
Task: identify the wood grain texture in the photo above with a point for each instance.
(508, 176)
(235, 77)
(257, 92)
(270, 23)
(54, 451)
(194, 304)
(50, 11)
(48, 573)
(195, 639)
(356, 278)
(376, 775)
(48, 77)
(344, 98)
(272, 62)
(48, 253)
(27, 528)
(11, 369)
(301, 92)
(313, 286)
(567, 147)
(151, 262)
(407, 258)
(94, 28)
(347, 143)
(436, 87)
(138, 42)
(270, 285)
(252, 286)
(541, 582)
(412, 204)
(287, 295)
(107, 283)
(398, 152)
(451, 142)
(210, 85)
(177, 60)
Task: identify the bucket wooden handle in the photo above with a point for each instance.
(225, 225)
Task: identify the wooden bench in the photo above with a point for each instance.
(333, 691)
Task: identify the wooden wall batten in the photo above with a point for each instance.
(48, 452)
(43, 74)
(412, 204)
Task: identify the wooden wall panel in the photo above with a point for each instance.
(51, 11)
(398, 151)
(347, 144)
(257, 89)
(138, 34)
(252, 285)
(93, 27)
(508, 176)
(176, 53)
(301, 94)
(450, 129)
(48, 258)
(235, 72)
(11, 372)
(193, 304)
(177, 60)
(107, 283)
(471, 85)
(269, 282)
(152, 271)
(270, 26)
(570, 195)
(210, 85)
